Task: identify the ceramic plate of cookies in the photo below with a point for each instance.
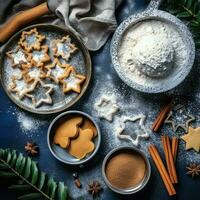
(45, 68)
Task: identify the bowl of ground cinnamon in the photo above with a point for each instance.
(126, 170)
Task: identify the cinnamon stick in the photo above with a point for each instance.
(162, 170)
(169, 159)
(174, 148)
(158, 122)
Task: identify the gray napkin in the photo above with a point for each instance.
(93, 20)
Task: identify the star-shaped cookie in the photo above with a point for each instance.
(192, 139)
(122, 124)
(31, 40)
(39, 98)
(19, 86)
(17, 56)
(56, 70)
(71, 81)
(106, 107)
(175, 126)
(31, 73)
(64, 47)
(39, 57)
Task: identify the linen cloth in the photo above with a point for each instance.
(92, 20)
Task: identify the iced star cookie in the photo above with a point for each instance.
(40, 93)
(63, 47)
(106, 107)
(66, 131)
(17, 57)
(31, 40)
(31, 73)
(19, 86)
(82, 145)
(39, 57)
(56, 70)
(71, 81)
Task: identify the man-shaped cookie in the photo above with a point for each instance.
(82, 145)
(66, 131)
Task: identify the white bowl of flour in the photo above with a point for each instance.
(153, 51)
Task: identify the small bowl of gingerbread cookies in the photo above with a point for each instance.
(73, 137)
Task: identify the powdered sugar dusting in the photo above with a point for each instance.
(130, 104)
(28, 124)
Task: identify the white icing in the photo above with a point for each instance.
(19, 57)
(38, 55)
(57, 71)
(72, 81)
(34, 72)
(62, 48)
(31, 39)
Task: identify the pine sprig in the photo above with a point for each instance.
(24, 177)
(189, 12)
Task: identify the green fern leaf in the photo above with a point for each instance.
(189, 11)
(30, 183)
(34, 173)
(31, 196)
(27, 168)
(62, 191)
(41, 180)
(19, 187)
(7, 175)
(51, 187)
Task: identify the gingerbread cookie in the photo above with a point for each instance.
(192, 139)
(71, 81)
(56, 70)
(88, 124)
(82, 145)
(31, 40)
(66, 131)
(19, 86)
(31, 72)
(39, 57)
(17, 57)
(63, 47)
(36, 97)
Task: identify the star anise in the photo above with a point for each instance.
(193, 170)
(94, 188)
(32, 149)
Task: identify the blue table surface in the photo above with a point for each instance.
(11, 137)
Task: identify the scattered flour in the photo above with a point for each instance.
(28, 124)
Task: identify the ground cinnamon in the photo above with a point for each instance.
(125, 170)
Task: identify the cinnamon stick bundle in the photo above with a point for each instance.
(161, 169)
(169, 159)
(158, 122)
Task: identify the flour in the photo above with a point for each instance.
(151, 49)
(130, 104)
(28, 124)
